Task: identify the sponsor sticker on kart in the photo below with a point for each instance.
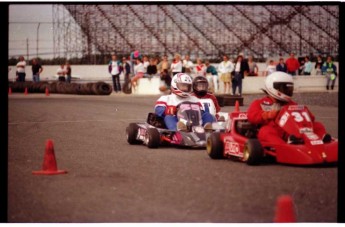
(141, 133)
(231, 148)
(316, 142)
(283, 119)
(296, 107)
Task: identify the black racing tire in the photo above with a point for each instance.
(153, 138)
(127, 87)
(253, 152)
(131, 133)
(214, 146)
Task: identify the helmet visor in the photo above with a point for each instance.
(283, 87)
(184, 87)
(201, 86)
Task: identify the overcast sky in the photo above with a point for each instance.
(20, 32)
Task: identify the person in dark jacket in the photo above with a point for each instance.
(281, 67)
(151, 68)
(241, 69)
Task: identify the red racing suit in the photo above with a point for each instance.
(209, 101)
(262, 112)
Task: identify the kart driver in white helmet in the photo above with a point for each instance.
(279, 89)
(167, 105)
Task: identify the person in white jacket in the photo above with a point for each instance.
(176, 65)
(225, 68)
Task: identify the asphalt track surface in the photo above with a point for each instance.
(110, 181)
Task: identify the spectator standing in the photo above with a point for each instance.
(307, 67)
(163, 65)
(36, 70)
(330, 70)
(200, 68)
(176, 65)
(270, 68)
(61, 72)
(139, 71)
(241, 69)
(225, 68)
(281, 67)
(126, 69)
(253, 67)
(318, 65)
(68, 70)
(152, 68)
(213, 77)
(20, 73)
(292, 65)
(115, 70)
(187, 65)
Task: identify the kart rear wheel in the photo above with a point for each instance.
(131, 133)
(153, 138)
(253, 152)
(214, 146)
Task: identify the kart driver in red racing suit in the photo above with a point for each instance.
(279, 89)
(167, 105)
(207, 99)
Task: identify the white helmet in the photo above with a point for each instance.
(181, 85)
(279, 85)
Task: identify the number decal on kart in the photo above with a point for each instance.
(184, 107)
(299, 117)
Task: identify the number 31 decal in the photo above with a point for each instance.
(298, 117)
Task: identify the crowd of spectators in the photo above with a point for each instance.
(228, 71)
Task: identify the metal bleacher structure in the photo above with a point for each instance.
(198, 30)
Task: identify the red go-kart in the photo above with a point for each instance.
(240, 141)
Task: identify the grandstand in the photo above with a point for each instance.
(199, 30)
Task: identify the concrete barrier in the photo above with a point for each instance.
(94, 73)
(148, 86)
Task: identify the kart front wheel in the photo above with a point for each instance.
(214, 146)
(153, 138)
(131, 133)
(253, 152)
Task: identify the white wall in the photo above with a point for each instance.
(100, 73)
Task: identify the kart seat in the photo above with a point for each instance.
(155, 121)
(247, 129)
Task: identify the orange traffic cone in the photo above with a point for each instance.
(9, 90)
(49, 162)
(47, 91)
(284, 210)
(26, 91)
(237, 108)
